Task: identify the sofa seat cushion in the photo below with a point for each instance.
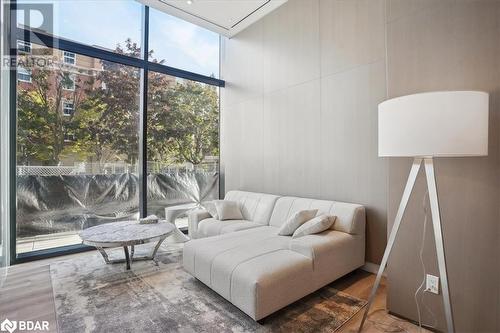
(267, 283)
(334, 253)
(213, 227)
(223, 264)
(199, 253)
(254, 269)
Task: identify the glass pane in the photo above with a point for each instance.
(183, 145)
(183, 45)
(103, 24)
(4, 152)
(77, 147)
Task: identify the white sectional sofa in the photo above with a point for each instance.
(260, 272)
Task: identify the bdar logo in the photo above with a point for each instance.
(8, 325)
(24, 325)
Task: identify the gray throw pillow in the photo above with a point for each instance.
(295, 221)
(210, 207)
(228, 210)
(315, 226)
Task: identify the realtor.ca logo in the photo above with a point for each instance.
(24, 325)
(31, 42)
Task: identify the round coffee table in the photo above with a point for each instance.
(125, 234)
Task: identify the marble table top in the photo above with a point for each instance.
(125, 233)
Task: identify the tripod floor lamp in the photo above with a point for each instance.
(425, 126)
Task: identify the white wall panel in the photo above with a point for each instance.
(291, 45)
(352, 34)
(317, 131)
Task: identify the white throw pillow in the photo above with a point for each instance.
(228, 210)
(211, 209)
(315, 226)
(295, 221)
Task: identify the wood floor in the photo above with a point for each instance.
(359, 284)
(27, 295)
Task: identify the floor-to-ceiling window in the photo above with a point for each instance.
(4, 144)
(182, 117)
(117, 115)
(77, 147)
(183, 143)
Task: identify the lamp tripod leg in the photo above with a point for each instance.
(438, 238)
(392, 237)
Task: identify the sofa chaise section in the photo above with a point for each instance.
(253, 269)
(261, 272)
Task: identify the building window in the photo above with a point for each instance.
(69, 137)
(69, 58)
(68, 108)
(23, 75)
(23, 47)
(68, 82)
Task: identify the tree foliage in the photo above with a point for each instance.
(183, 122)
(41, 123)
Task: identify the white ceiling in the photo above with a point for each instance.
(226, 17)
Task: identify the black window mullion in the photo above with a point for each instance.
(86, 50)
(172, 71)
(143, 132)
(11, 19)
(95, 52)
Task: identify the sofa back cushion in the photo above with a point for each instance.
(350, 217)
(255, 207)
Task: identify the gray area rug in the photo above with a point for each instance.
(159, 296)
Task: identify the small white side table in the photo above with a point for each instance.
(172, 213)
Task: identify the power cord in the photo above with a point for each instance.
(394, 328)
(421, 256)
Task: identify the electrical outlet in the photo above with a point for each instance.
(432, 284)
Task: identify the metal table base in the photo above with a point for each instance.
(129, 256)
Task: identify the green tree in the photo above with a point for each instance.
(106, 124)
(93, 139)
(41, 123)
(186, 125)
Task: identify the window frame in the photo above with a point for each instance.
(141, 63)
(23, 71)
(65, 107)
(69, 137)
(69, 55)
(25, 45)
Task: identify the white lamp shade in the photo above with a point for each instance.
(448, 123)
